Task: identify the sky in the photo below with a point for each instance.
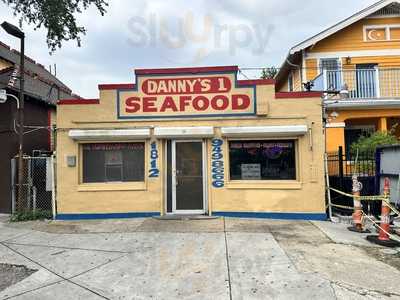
(179, 33)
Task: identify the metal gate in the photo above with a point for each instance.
(341, 166)
(38, 185)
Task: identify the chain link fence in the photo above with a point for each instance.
(37, 193)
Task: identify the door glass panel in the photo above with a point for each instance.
(169, 176)
(189, 176)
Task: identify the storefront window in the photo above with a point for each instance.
(262, 160)
(113, 162)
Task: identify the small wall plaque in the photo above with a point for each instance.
(71, 161)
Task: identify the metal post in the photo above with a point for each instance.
(53, 187)
(327, 183)
(341, 173)
(328, 186)
(13, 169)
(21, 126)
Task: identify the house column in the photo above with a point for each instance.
(382, 124)
(335, 136)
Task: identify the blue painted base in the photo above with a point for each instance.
(274, 215)
(256, 215)
(106, 216)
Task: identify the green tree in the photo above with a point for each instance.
(57, 16)
(368, 144)
(269, 73)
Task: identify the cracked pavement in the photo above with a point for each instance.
(193, 259)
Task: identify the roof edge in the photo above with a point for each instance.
(193, 70)
(291, 95)
(77, 101)
(341, 25)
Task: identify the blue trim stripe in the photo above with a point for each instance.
(273, 215)
(256, 215)
(106, 216)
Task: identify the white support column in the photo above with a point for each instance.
(378, 86)
(325, 72)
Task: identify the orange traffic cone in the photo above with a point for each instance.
(357, 215)
(383, 238)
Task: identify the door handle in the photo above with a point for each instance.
(174, 173)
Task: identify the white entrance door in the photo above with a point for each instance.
(188, 177)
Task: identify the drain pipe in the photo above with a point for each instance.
(299, 68)
(326, 170)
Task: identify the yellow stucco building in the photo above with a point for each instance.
(359, 57)
(191, 141)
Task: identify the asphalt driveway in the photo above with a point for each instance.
(197, 259)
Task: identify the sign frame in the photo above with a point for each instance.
(235, 84)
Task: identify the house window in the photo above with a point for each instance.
(113, 162)
(331, 68)
(330, 64)
(382, 33)
(262, 160)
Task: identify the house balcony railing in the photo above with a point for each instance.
(361, 83)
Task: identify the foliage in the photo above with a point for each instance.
(31, 215)
(57, 16)
(269, 73)
(368, 144)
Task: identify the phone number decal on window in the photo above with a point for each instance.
(217, 163)
(154, 171)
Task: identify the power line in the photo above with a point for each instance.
(240, 71)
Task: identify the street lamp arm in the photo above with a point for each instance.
(15, 98)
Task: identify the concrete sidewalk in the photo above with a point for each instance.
(204, 259)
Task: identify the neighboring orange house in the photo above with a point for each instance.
(359, 56)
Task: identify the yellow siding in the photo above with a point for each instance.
(334, 139)
(382, 61)
(297, 80)
(352, 38)
(311, 69)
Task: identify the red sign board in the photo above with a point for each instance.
(186, 96)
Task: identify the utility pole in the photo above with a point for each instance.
(21, 202)
(16, 32)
